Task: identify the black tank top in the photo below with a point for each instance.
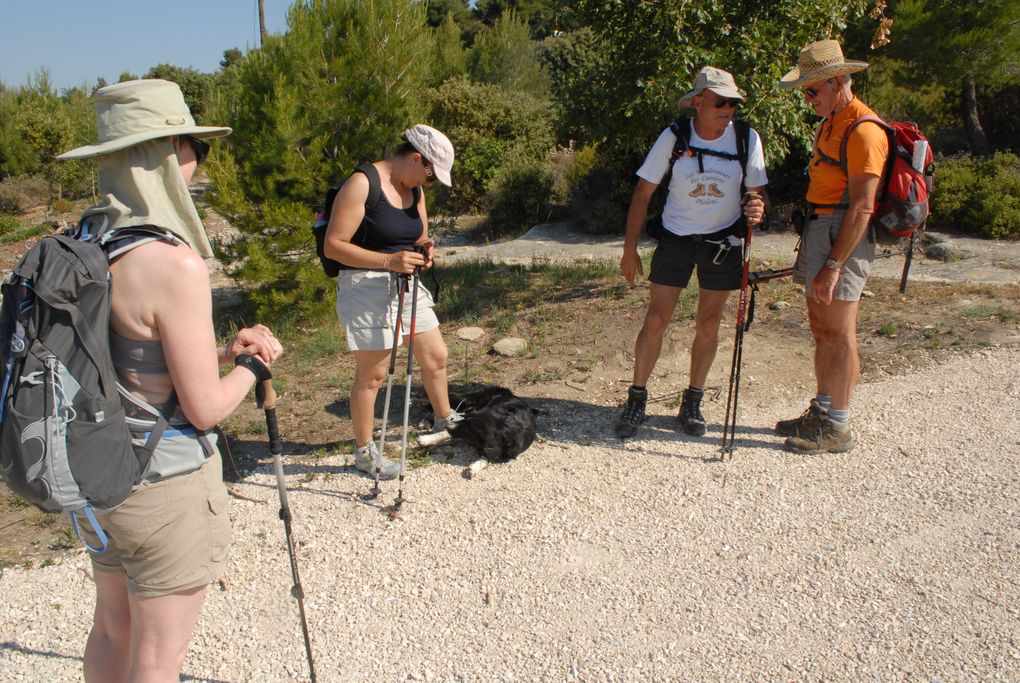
(389, 229)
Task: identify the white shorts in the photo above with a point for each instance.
(366, 303)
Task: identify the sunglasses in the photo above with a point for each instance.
(813, 92)
(200, 147)
(726, 102)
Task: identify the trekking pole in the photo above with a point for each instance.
(906, 262)
(401, 290)
(730, 422)
(407, 391)
(265, 396)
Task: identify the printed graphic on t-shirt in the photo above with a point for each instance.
(709, 187)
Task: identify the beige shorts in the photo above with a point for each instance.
(168, 536)
(366, 303)
(819, 235)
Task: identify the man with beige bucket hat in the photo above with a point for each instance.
(168, 540)
(837, 245)
(701, 224)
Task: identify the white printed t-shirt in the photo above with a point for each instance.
(703, 203)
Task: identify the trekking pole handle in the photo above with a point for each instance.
(269, 406)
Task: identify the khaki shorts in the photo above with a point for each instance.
(168, 536)
(819, 235)
(366, 303)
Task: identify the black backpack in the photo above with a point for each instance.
(682, 147)
(330, 267)
(65, 440)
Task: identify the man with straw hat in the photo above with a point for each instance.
(168, 540)
(702, 221)
(837, 245)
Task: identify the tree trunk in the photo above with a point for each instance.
(971, 120)
(262, 22)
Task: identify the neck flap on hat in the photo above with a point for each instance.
(143, 185)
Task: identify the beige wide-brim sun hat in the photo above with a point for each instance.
(136, 111)
(710, 78)
(820, 61)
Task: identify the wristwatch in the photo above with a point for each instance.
(832, 263)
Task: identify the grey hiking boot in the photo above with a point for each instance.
(805, 425)
(691, 419)
(440, 424)
(365, 460)
(827, 437)
(633, 413)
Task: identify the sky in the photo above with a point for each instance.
(78, 41)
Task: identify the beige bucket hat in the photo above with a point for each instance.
(136, 111)
(710, 78)
(435, 147)
(820, 61)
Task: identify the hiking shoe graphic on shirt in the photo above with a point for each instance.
(804, 425)
(691, 419)
(633, 413)
(699, 190)
(364, 460)
(827, 437)
(714, 191)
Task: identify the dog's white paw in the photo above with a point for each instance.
(437, 439)
(474, 468)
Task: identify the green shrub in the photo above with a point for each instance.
(978, 195)
(63, 206)
(599, 201)
(520, 194)
(22, 192)
(8, 224)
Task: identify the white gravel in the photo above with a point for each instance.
(591, 560)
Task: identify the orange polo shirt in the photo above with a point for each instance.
(866, 152)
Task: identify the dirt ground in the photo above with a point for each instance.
(581, 348)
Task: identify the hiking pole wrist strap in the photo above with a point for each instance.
(261, 372)
(257, 367)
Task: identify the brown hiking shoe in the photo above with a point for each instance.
(828, 437)
(805, 425)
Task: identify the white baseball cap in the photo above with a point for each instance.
(435, 147)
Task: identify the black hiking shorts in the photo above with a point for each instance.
(717, 259)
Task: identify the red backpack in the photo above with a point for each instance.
(902, 203)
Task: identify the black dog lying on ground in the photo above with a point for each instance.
(497, 423)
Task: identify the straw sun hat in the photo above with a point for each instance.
(820, 61)
(136, 111)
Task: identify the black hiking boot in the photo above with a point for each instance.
(805, 425)
(633, 413)
(691, 419)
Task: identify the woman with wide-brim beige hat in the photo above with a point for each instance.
(819, 62)
(169, 539)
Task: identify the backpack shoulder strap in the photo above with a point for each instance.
(889, 131)
(743, 131)
(122, 240)
(374, 183)
(682, 130)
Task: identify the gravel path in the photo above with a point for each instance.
(591, 560)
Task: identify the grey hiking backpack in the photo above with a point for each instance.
(65, 442)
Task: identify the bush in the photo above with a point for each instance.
(520, 194)
(978, 195)
(21, 192)
(599, 201)
(8, 224)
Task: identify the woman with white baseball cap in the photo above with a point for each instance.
(169, 539)
(374, 245)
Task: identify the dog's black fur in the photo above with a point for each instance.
(497, 423)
